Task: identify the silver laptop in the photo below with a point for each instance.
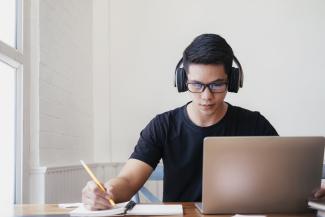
(260, 174)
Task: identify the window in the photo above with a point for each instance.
(8, 22)
(11, 64)
(7, 130)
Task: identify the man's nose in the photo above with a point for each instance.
(206, 94)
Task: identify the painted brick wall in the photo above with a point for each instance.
(66, 112)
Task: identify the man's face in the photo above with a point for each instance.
(207, 103)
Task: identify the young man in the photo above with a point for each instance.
(177, 136)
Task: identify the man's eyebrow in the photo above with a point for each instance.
(218, 80)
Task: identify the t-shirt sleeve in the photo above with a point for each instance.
(149, 148)
(264, 127)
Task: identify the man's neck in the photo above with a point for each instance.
(204, 120)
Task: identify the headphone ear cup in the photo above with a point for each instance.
(233, 81)
(181, 79)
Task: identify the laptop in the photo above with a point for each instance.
(260, 174)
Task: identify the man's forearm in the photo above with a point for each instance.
(121, 189)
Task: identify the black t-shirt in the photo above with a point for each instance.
(174, 138)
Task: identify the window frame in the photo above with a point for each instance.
(24, 58)
(14, 57)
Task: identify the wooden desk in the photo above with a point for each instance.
(188, 208)
(39, 209)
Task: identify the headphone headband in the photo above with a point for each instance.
(178, 66)
(235, 77)
(241, 74)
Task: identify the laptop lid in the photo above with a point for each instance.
(260, 174)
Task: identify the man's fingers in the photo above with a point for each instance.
(319, 193)
(94, 198)
(91, 185)
(95, 202)
(94, 189)
(109, 191)
(100, 204)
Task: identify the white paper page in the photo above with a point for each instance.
(155, 209)
(317, 205)
(83, 211)
(239, 215)
(139, 209)
(69, 205)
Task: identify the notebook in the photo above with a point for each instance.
(260, 174)
(138, 209)
(319, 205)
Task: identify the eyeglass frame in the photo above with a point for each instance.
(207, 86)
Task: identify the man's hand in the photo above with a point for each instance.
(319, 193)
(120, 189)
(95, 199)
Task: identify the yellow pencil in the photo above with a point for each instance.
(96, 180)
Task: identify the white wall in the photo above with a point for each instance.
(279, 43)
(101, 80)
(107, 68)
(96, 111)
(65, 82)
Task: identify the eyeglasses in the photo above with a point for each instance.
(214, 87)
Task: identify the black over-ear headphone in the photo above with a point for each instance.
(235, 77)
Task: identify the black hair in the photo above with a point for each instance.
(208, 49)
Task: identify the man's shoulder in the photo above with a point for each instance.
(240, 115)
(171, 118)
(250, 122)
(242, 112)
(171, 114)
